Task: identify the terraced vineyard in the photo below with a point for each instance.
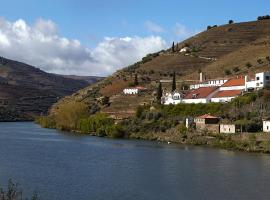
(224, 51)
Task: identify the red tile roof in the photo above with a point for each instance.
(227, 93)
(234, 82)
(207, 116)
(141, 88)
(200, 93)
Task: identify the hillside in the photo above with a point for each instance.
(26, 91)
(88, 79)
(224, 51)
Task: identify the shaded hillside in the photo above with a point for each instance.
(26, 91)
(223, 51)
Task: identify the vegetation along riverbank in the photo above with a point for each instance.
(167, 123)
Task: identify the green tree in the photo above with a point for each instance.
(136, 82)
(249, 65)
(139, 111)
(228, 72)
(68, 115)
(159, 92)
(173, 48)
(173, 83)
(105, 100)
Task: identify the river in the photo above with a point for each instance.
(66, 166)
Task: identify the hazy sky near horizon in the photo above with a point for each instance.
(97, 37)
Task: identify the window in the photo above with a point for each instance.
(258, 78)
(267, 127)
(267, 78)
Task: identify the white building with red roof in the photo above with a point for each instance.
(200, 95)
(234, 84)
(220, 90)
(172, 98)
(209, 83)
(225, 96)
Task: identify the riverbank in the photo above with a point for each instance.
(248, 142)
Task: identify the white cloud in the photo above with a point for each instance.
(41, 46)
(120, 52)
(182, 32)
(153, 27)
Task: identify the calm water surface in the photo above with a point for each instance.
(63, 166)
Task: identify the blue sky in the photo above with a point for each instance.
(90, 21)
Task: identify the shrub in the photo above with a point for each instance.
(69, 114)
(236, 69)
(249, 65)
(46, 121)
(263, 17)
(95, 124)
(183, 110)
(228, 72)
(139, 111)
(13, 192)
(105, 100)
(183, 130)
(260, 61)
(116, 131)
(249, 125)
(131, 84)
(267, 58)
(231, 22)
(244, 100)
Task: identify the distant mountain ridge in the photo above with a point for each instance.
(26, 91)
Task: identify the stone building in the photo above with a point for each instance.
(207, 123)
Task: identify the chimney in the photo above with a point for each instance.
(246, 80)
(201, 77)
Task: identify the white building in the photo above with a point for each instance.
(200, 95)
(234, 84)
(227, 128)
(133, 91)
(219, 90)
(209, 83)
(172, 98)
(266, 126)
(261, 80)
(225, 96)
(184, 50)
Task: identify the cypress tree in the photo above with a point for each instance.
(159, 92)
(173, 83)
(173, 49)
(136, 82)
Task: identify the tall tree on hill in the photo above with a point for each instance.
(173, 48)
(173, 83)
(159, 92)
(136, 82)
(177, 47)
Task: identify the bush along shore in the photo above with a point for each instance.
(167, 123)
